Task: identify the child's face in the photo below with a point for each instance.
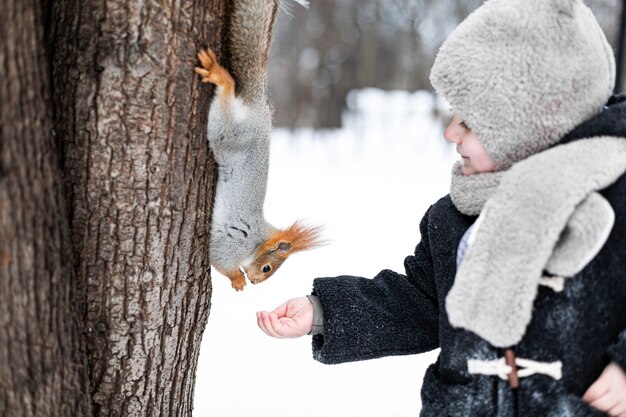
(475, 159)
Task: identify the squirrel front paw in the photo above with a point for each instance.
(212, 72)
(237, 280)
(238, 284)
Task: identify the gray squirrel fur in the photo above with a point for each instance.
(243, 244)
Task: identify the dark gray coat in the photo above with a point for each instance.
(584, 326)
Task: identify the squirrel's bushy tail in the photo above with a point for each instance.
(248, 37)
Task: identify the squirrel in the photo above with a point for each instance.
(243, 244)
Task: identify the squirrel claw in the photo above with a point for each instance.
(207, 58)
(205, 74)
(212, 72)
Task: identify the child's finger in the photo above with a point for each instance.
(265, 325)
(277, 326)
(281, 310)
(265, 316)
(618, 409)
(259, 322)
(605, 402)
(595, 391)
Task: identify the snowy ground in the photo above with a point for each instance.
(369, 185)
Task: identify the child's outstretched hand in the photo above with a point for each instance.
(292, 319)
(608, 393)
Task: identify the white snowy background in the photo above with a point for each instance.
(368, 184)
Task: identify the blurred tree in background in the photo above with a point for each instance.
(338, 46)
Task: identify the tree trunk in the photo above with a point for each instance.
(42, 358)
(131, 117)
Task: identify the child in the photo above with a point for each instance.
(520, 274)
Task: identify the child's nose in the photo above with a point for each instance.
(451, 134)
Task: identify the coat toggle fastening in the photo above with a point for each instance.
(500, 368)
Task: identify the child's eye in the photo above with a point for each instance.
(464, 126)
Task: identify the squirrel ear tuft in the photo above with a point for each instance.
(302, 237)
(295, 238)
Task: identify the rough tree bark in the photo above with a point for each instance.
(131, 119)
(130, 124)
(42, 358)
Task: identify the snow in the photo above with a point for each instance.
(368, 184)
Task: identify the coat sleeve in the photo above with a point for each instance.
(391, 314)
(617, 351)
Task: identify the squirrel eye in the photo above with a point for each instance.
(267, 269)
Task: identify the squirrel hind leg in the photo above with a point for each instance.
(212, 72)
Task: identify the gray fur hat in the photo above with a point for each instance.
(522, 73)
